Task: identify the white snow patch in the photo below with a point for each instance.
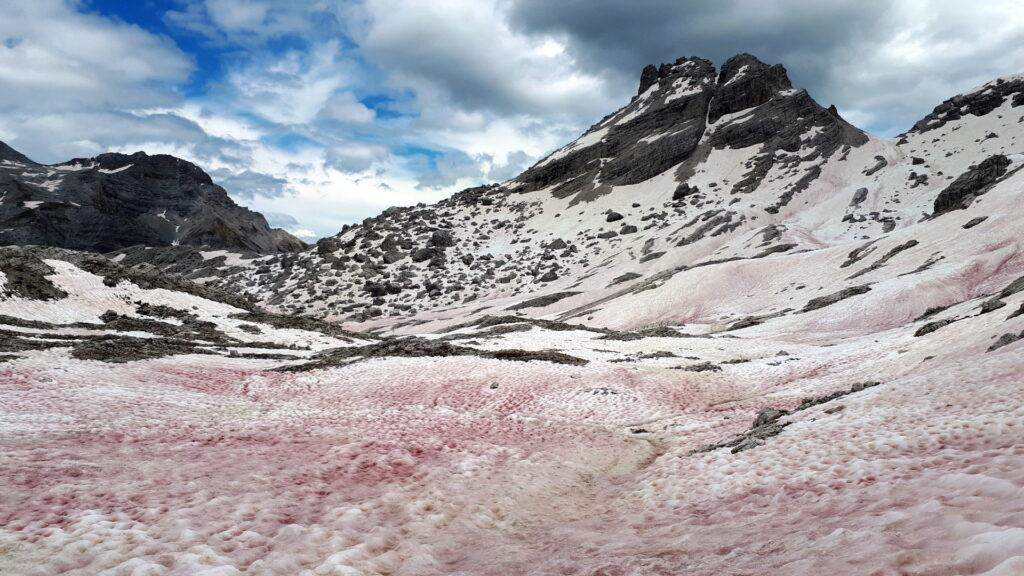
(51, 185)
(811, 133)
(230, 258)
(682, 87)
(739, 74)
(116, 170)
(736, 117)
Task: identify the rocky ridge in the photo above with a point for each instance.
(114, 201)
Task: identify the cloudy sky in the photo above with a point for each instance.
(322, 112)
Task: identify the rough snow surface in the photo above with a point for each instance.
(230, 258)
(474, 466)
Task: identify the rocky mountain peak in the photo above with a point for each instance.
(114, 200)
(682, 67)
(745, 82)
(143, 165)
(115, 160)
(748, 66)
(680, 114)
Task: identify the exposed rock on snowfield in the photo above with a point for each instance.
(971, 184)
(722, 332)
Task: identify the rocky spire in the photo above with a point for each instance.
(647, 78)
(652, 74)
(744, 82)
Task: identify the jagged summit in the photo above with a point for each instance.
(760, 80)
(744, 82)
(114, 200)
(745, 62)
(682, 112)
(156, 165)
(684, 65)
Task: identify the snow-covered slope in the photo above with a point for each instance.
(54, 298)
(812, 443)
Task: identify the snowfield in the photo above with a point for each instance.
(203, 464)
(466, 466)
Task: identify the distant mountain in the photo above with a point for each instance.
(114, 201)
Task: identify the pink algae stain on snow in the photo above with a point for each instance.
(422, 467)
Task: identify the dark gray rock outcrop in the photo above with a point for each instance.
(414, 347)
(648, 77)
(830, 299)
(745, 82)
(680, 103)
(978, 103)
(971, 184)
(676, 109)
(114, 201)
